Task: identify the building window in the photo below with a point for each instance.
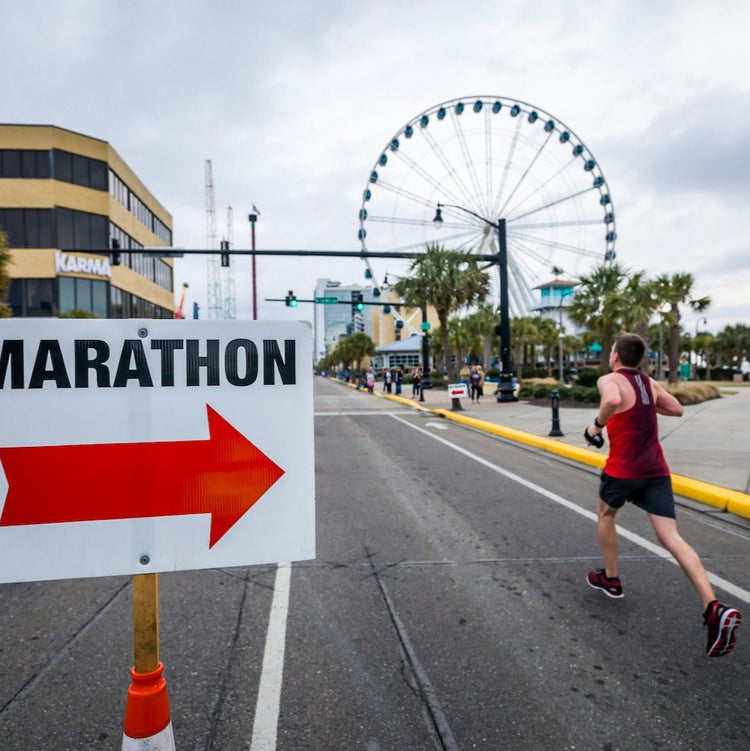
(24, 163)
(79, 230)
(27, 228)
(11, 163)
(122, 194)
(79, 170)
(32, 298)
(76, 293)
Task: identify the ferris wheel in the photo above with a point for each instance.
(475, 161)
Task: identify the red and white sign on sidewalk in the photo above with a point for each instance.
(139, 446)
(458, 390)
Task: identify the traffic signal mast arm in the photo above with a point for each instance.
(328, 301)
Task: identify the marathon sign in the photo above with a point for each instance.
(91, 363)
(140, 446)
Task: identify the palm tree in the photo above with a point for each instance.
(732, 345)
(600, 304)
(523, 334)
(446, 279)
(643, 303)
(674, 291)
(547, 338)
(355, 348)
(4, 278)
(482, 323)
(462, 338)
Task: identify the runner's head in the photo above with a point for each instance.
(630, 348)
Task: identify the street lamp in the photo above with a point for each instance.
(697, 323)
(505, 389)
(252, 218)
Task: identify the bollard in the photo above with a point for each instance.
(556, 414)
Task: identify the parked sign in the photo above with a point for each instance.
(458, 390)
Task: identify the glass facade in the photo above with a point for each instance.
(123, 195)
(34, 298)
(73, 230)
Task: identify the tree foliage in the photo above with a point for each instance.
(448, 280)
(349, 352)
(674, 291)
(4, 276)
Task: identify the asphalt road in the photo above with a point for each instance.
(447, 609)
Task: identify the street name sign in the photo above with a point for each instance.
(327, 300)
(143, 446)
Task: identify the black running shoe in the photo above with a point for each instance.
(722, 623)
(611, 587)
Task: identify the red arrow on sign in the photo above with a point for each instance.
(222, 476)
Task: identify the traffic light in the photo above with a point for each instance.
(357, 302)
(290, 300)
(115, 255)
(225, 256)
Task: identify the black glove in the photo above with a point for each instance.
(593, 440)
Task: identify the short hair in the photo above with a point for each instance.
(630, 348)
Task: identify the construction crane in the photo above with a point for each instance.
(230, 300)
(178, 312)
(215, 308)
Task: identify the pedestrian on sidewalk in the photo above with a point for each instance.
(397, 376)
(637, 471)
(416, 383)
(387, 377)
(474, 382)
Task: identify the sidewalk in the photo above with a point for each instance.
(708, 445)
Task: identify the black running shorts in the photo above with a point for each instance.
(652, 494)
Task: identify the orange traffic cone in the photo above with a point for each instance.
(148, 725)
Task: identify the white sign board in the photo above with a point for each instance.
(138, 446)
(458, 390)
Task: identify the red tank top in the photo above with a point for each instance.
(634, 448)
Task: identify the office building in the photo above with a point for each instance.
(65, 199)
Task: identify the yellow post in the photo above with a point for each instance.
(148, 724)
(146, 622)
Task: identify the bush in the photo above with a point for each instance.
(588, 377)
(584, 394)
(695, 393)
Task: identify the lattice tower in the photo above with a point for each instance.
(215, 308)
(230, 300)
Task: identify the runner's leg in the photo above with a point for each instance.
(607, 536)
(690, 562)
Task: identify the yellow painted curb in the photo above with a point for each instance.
(721, 498)
(546, 444)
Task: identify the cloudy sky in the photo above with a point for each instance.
(293, 101)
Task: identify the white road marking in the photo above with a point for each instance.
(717, 581)
(267, 708)
(437, 425)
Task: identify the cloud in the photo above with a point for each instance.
(701, 146)
(293, 102)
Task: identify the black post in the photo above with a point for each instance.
(426, 382)
(556, 414)
(505, 390)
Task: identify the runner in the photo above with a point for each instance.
(636, 471)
